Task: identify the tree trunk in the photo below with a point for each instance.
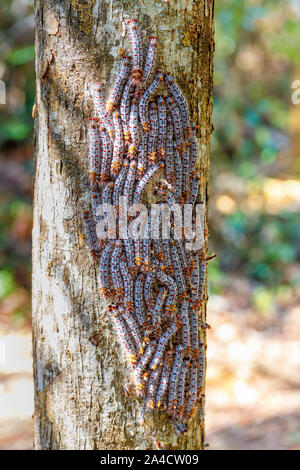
(79, 372)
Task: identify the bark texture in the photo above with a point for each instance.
(79, 372)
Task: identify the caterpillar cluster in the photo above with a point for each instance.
(154, 287)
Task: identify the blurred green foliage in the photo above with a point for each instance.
(256, 59)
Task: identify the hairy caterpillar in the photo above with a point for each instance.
(125, 108)
(137, 51)
(145, 180)
(134, 128)
(152, 139)
(101, 112)
(107, 154)
(143, 105)
(164, 380)
(181, 102)
(162, 127)
(124, 336)
(91, 234)
(118, 145)
(174, 378)
(117, 89)
(150, 59)
(162, 344)
(178, 131)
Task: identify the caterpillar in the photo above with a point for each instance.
(118, 86)
(162, 127)
(101, 112)
(192, 391)
(184, 256)
(152, 388)
(150, 59)
(96, 199)
(91, 234)
(124, 336)
(200, 371)
(193, 151)
(179, 395)
(181, 102)
(158, 305)
(134, 129)
(162, 344)
(139, 300)
(142, 156)
(167, 256)
(152, 139)
(143, 105)
(164, 380)
(178, 271)
(107, 154)
(146, 242)
(142, 364)
(186, 340)
(134, 329)
(195, 281)
(158, 250)
(145, 180)
(129, 253)
(172, 290)
(118, 148)
(149, 279)
(107, 193)
(104, 269)
(185, 175)
(170, 168)
(128, 285)
(174, 378)
(119, 183)
(178, 177)
(125, 108)
(178, 131)
(137, 52)
(194, 190)
(129, 183)
(193, 320)
(202, 275)
(116, 273)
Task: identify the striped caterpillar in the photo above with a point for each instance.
(150, 59)
(107, 154)
(152, 139)
(116, 92)
(137, 52)
(154, 284)
(143, 105)
(162, 127)
(181, 102)
(101, 111)
(118, 148)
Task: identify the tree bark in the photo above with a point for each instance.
(79, 371)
